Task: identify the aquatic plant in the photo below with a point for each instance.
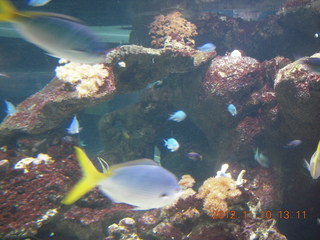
(172, 27)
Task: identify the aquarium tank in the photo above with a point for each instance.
(159, 120)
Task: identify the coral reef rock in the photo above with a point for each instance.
(297, 91)
(172, 27)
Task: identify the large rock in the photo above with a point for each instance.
(82, 85)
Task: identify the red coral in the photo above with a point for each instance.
(28, 196)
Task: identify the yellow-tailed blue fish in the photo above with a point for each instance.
(60, 35)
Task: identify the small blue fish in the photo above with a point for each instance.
(232, 110)
(293, 144)
(171, 144)
(60, 35)
(208, 47)
(261, 159)
(194, 156)
(38, 3)
(74, 127)
(178, 116)
(314, 166)
(11, 109)
(140, 183)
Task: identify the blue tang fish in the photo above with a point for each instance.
(59, 35)
(232, 110)
(171, 144)
(11, 109)
(74, 127)
(208, 47)
(178, 116)
(38, 3)
(140, 183)
(314, 166)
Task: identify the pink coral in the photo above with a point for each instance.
(172, 27)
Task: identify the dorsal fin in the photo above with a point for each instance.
(49, 14)
(143, 161)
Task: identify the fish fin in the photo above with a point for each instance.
(49, 14)
(7, 11)
(306, 164)
(104, 164)
(316, 160)
(140, 208)
(144, 161)
(51, 55)
(91, 176)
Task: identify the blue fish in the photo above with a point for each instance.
(171, 144)
(208, 47)
(11, 109)
(232, 110)
(261, 159)
(178, 116)
(74, 127)
(141, 183)
(293, 144)
(60, 35)
(38, 3)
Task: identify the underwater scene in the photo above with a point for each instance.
(159, 119)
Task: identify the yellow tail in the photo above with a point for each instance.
(7, 11)
(315, 163)
(91, 176)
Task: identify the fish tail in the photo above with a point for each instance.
(7, 11)
(91, 176)
(316, 159)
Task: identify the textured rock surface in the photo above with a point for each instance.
(298, 93)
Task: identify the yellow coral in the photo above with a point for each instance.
(186, 181)
(86, 78)
(172, 27)
(216, 192)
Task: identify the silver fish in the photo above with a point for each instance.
(141, 183)
(314, 166)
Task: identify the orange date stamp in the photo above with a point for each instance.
(282, 214)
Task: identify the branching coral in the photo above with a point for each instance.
(87, 79)
(172, 28)
(216, 192)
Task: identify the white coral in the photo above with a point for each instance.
(86, 78)
(40, 159)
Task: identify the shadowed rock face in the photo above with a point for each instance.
(298, 93)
